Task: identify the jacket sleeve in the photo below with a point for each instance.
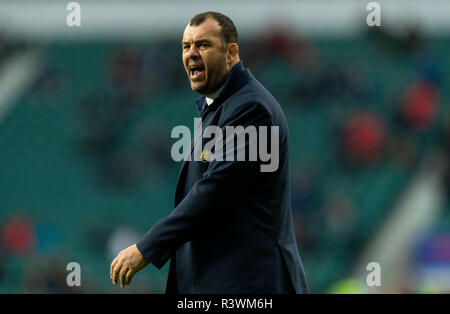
(220, 180)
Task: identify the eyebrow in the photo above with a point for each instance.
(199, 41)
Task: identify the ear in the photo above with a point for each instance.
(233, 52)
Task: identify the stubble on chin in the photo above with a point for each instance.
(199, 88)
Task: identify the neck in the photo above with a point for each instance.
(213, 95)
(233, 63)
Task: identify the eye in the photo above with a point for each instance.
(185, 47)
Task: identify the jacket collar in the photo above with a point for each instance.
(236, 79)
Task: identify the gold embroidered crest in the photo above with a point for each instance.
(205, 156)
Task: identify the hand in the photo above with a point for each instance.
(127, 263)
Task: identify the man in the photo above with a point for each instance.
(231, 230)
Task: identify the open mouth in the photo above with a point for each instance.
(196, 71)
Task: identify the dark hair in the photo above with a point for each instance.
(228, 31)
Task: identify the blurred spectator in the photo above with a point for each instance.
(279, 42)
(419, 105)
(18, 235)
(363, 138)
(293, 49)
(428, 66)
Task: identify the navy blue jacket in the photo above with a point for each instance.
(231, 230)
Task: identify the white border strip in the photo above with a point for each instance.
(148, 19)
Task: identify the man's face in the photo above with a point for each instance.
(205, 56)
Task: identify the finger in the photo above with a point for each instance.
(129, 276)
(114, 262)
(116, 271)
(123, 273)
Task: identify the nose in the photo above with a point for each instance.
(192, 53)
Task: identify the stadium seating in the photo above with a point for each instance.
(48, 176)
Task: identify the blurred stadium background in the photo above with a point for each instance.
(86, 114)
